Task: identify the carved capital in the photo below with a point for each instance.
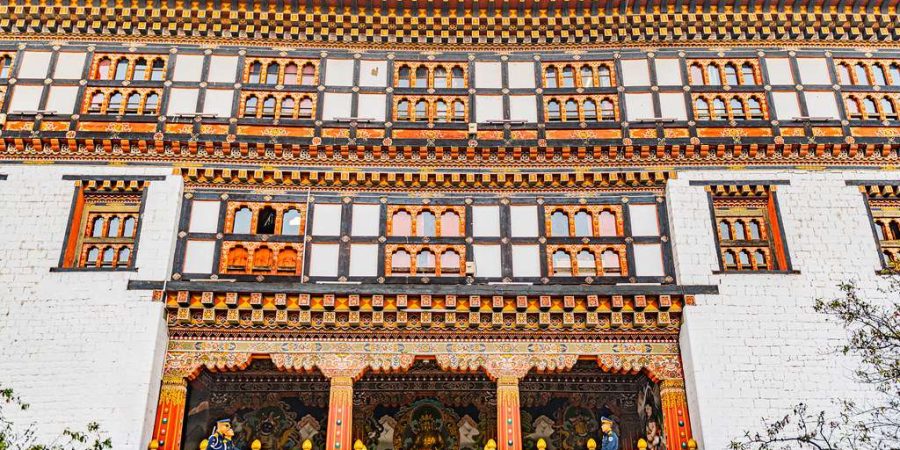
(658, 367)
(506, 366)
(337, 365)
(672, 394)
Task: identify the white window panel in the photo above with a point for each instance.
(62, 99)
(336, 106)
(188, 68)
(223, 69)
(488, 75)
(521, 75)
(779, 70)
(523, 220)
(813, 71)
(366, 219)
(671, 106)
(35, 65)
(644, 220)
(323, 260)
(371, 106)
(523, 107)
(635, 72)
(69, 66)
(648, 260)
(198, 256)
(364, 260)
(668, 72)
(25, 98)
(182, 101)
(339, 72)
(639, 106)
(204, 216)
(485, 221)
(373, 73)
(786, 105)
(487, 261)
(822, 104)
(488, 107)
(526, 261)
(218, 102)
(326, 219)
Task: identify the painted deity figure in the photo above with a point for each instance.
(610, 440)
(221, 438)
(428, 438)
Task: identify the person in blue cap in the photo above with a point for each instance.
(221, 436)
(609, 440)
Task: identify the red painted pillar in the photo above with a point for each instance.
(339, 430)
(170, 412)
(677, 424)
(509, 425)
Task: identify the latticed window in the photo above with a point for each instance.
(128, 67)
(278, 223)
(747, 228)
(884, 205)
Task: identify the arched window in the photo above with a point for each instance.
(887, 107)
(862, 77)
(250, 106)
(287, 260)
(755, 230)
(844, 76)
(124, 256)
(562, 264)
(133, 103)
(268, 109)
(440, 77)
(102, 71)
(421, 110)
(571, 110)
(97, 227)
(115, 103)
(92, 255)
(701, 109)
(553, 111)
(853, 110)
(754, 108)
(871, 108)
(760, 258)
(587, 265)
(587, 76)
(140, 69)
(401, 224)
(151, 106)
(158, 70)
(880, 74)
(109, 257)
(308, 75)
(719, 110)
(568, 77)
(242, 218)
(745, 260)
(611, 263)
(607, 221)
(457, 78)
(731, 75)
(121, 69)
(426, 225)
(551, 78)
(262, 258)
(604, 76)
(403, 110)
(290, 223)
(306, 108)
(255, 72)
(737, 108)
(739, 233)
(237, 258)
(425, 262)
(715, 78)
(725, 231)
(894, 71)
(459, 111)
(894, 226)
(5, 66)
(730, 261)
(583, 225)
(128, 227)
(440, 111)
(290, 75)
(400, 263)
(696, 73)
(559, 224)
(113, 229)
(421, 77)
(748, 76)
(449, 263)
(450, 224)
(97, 103)
(265, 222)
(590, 110)
(287, 108)
(607, 110)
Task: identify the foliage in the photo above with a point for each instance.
(874, 338)
(15, 438)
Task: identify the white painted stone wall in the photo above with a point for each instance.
(79, 346)
(758, 348)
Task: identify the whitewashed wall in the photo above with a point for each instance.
(758, 348)
(79, 346)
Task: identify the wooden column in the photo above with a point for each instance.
(339, 430)
(170, 412)
(677, 424)
(509, 424)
